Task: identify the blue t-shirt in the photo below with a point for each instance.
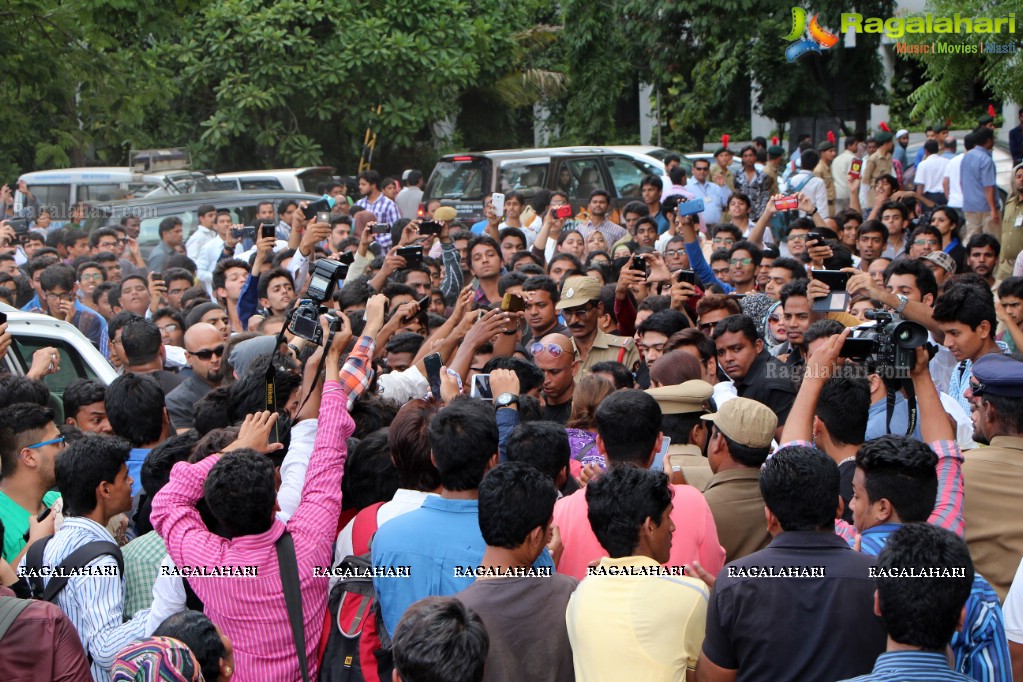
(135, 460)
(976, 172)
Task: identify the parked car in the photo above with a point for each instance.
(286, 179)
(242, 206)
(463, 180)
(78, 357)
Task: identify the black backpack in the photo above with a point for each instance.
(79, 558)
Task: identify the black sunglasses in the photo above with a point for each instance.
(208, 353)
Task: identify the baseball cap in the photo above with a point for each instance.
(578, 291)
(745, 421)
(445, 213)
(943, 259)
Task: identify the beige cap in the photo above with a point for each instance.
(746, 421)
(689, 396)
(578, 291)
(943, 260)
(445, 213)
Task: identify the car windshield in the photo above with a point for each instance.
(527, 177)
(311, 180)
(464, 178)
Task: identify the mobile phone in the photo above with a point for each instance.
(247, 232)
(19, 225)
(815, 237)
(638, 263)
(857, 348)
(430, 227)
(157, 276)
(381, 228)
(658, 463)
(854, 168)
(323, 216)
(512, 303)
(432, 363)
(413, 256)
(687, 276)
(42, 516)
(481, 388)
(3, 318)
(563, 212)
(690, 207)
(424, 302)
(347, 258)
(837, 299)
(786, 203)
(498, 202)
(325, 203)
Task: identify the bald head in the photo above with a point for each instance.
(201, 335)
(205, 347)
(558, 382)
(564, 342)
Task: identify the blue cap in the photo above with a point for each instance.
(999, 375)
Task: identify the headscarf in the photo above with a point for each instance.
(156, 659)
(756, 306)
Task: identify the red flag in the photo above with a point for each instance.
(831, 137)
(884, 126)
(724, 140)
(774, 140)
(991, 110)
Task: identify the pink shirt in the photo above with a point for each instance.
(695, 537)
(251, 610)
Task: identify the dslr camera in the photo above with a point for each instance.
(889, 347)
(305, 320)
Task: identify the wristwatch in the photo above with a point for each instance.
(814, 212)
(507, 400)
(902, 303)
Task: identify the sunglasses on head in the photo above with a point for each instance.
(552, 348)
(208, 353)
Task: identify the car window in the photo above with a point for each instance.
(311, 180)
(525, 177)
(149, 235)
(261, 183)
(57, 197)
(461, 178)
(111, 192)
(71, 364)
(627, 174)
(586, 177)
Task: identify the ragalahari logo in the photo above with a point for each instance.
(810, 37)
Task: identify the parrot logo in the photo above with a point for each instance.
(810, 37)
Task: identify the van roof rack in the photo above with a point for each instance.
(157, 160)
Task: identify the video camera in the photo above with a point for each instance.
(305, 320)
(889, 346)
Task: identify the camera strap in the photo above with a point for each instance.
(911, 409)
(270, 379)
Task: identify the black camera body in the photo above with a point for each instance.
(889, 347)
(305, 320)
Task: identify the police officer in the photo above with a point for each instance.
(681, 408)
(823, 171)
(721, 169)
(775, 159)
(581, 307)
(1012, 226)
(879, 163)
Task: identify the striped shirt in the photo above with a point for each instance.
(612, 232)
(981, 649)
(386, 211)
(94, 603)
(251, 610)
(906, 666)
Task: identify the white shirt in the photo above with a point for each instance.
(402, 387)
(408, 200)
(930, 172)
(197, 240)
(530, 230)
(964, 425)
(955, 188)
(293, 468)
(723, 392)
(814, 188)
(404, 501)
(840, 173)
(1012, 609)
(168, 596)
(207, 262)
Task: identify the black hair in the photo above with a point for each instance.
(515, 498)
(196, 631)
(808, 159)
(543, 283)
(121, 319)
(275, 273)
(870, 227)
(172, 313)
(370, 476)
(754, 251)
(564, 255)
(895, 206)
(135, 406)
(654, 304)
(979, 241)
(797, 269)
(240, 492)
(20, 389)
(982, 135)
(73, 235)
(408, 440)
(665, 322)
(353, 294)
(82, 392)
(737, 323)
(510, 279)
(530, 376)
(99, 234)
(923, 611)
(210, 412)
(141, 341)
(371, 412)
(637, 207)
(800, 487)
(843, 407)
(15, 420)
(619, 372)
(483, 240)
(744, 198)
(463, 439)
(923, 275)
(796, 287)
(84, 466)
(620, 501)
(541, 444)
(967, 304)
(155, 473)
(678, 426)
(822, 329)
(179, 261)
(440, 639)
(405, 342)
(901, 470)
(168, 224)
(1011, 286)
(643, 415)
(248, 394)
(393, 289)
(220, 271)
(57, 275)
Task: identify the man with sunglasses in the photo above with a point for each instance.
(204, 349)
(580, 304)
(29, 446)
(714, 199)
(553, 354)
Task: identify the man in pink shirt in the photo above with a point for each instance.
(629, 434)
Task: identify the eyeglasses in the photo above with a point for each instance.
(554, 349)
(56, 441)
(89, 276)
(170, 328)
(740, 261)
(67, 298)
(671, 253)
(208, 353)
(721, 240)
(796, 238)
(579, 310)
(924, 242)
(977, 388)
(701, 168)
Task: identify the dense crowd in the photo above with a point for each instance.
(779, 437)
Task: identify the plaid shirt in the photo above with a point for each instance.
(142, 558)
(386, 211)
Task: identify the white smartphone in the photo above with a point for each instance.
(658, 462)
(481, 388)
(498, 201)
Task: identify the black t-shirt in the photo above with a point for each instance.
(769, 382)
(845, 477)
(558, 413)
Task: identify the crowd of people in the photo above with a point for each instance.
(634, 442)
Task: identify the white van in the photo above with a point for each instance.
(287, 179)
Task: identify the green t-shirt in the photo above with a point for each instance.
(15, 520)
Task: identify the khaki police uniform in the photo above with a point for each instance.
(1012, 236)
(607, 348)
(689, 461)
(771, 171)
(878, 164)
(716, 171)
(823, 171)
